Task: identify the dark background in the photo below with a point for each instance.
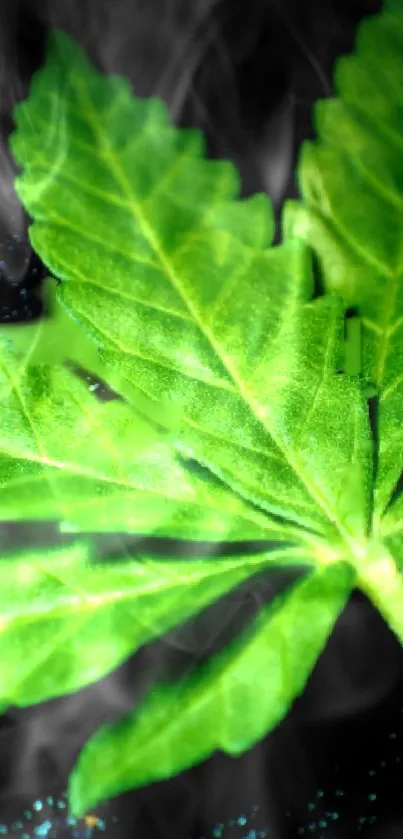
(247, 73)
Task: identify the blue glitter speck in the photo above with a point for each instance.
(43, 829)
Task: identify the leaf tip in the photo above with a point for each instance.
(76, 796)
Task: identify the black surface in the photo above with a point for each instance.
(341, 744)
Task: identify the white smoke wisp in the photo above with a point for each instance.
(14, 255)
(155, 45)
(276, 151)
(49, 736)
(14, 248)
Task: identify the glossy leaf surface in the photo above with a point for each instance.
(66, 621)
(215, 324)
(264, 388)
(351, 183)
(92, 466)
(228, 704)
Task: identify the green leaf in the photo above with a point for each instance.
(67, 621)
(351, 182)
(58, 338)
(171, 293)
(70, 96)
(65, 456)
(227, 704)
(183, 301)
